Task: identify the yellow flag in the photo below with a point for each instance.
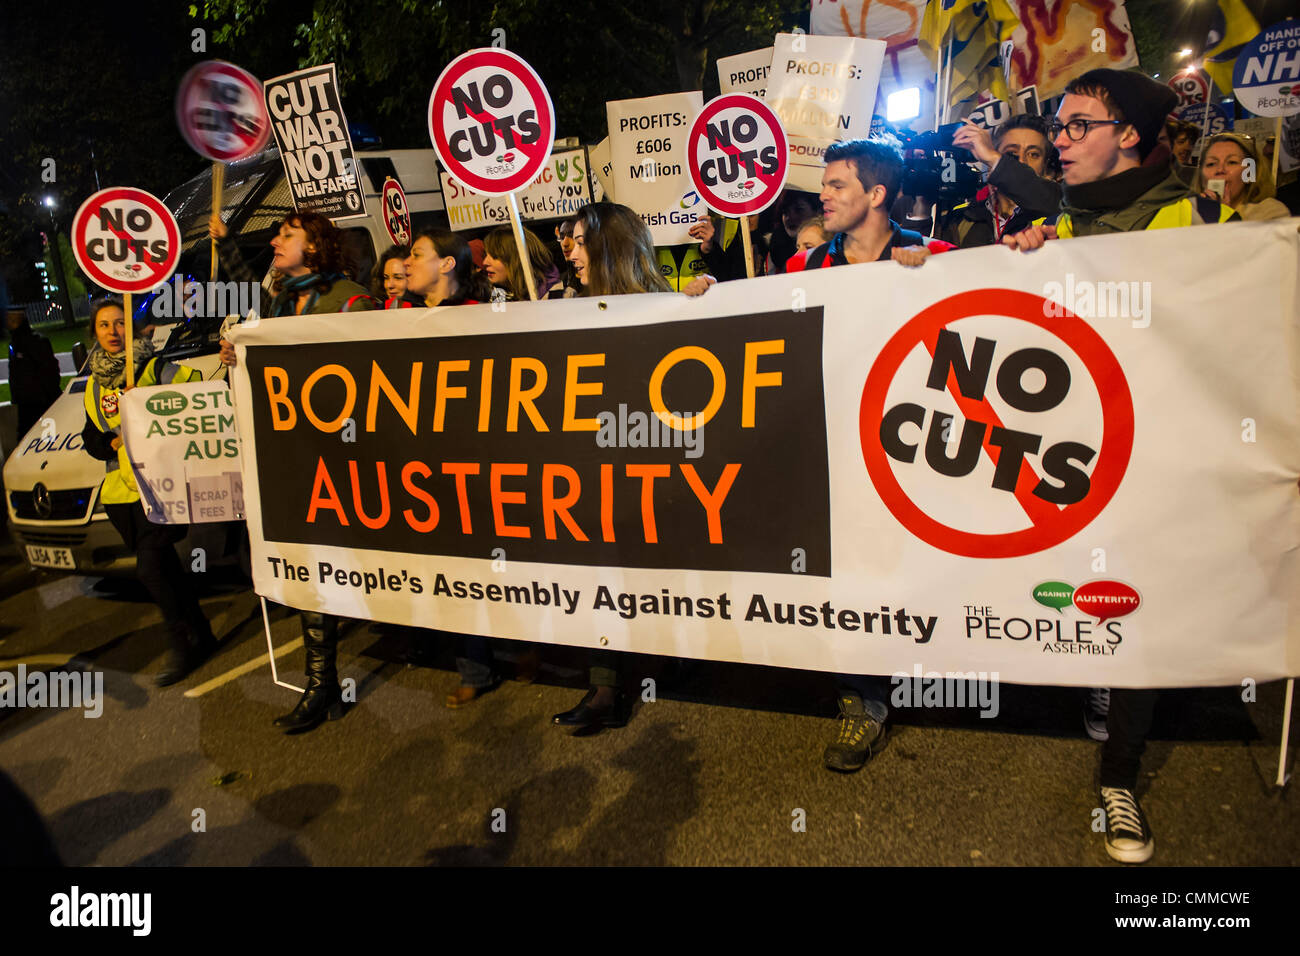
(1233, 27)
(976, 30)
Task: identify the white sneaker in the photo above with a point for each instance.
(1128, 838)
(1095, 710)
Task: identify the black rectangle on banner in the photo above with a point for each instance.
(315, 145)
(567, 447)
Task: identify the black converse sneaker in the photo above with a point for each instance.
(859, 732)
(1128, 838)
(1095, 710)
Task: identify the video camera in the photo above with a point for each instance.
(950, 178)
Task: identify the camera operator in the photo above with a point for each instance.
(1020, 183)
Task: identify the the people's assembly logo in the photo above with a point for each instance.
(1096, 628)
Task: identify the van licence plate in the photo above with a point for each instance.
(44, 557)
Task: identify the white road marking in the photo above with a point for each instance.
(242, 669)
(38, 660)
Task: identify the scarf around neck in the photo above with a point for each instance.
(109, 370)
(293, 286)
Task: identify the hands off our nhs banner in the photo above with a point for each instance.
(866, 496)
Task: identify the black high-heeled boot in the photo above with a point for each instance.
(323, 698)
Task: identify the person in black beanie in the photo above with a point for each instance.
(1107, 130)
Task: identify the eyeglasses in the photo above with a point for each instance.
(1077, 129)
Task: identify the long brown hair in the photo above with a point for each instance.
(329, 259)
(620, 252)
(500, 244)
(469, 284)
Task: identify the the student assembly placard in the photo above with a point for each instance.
(1063, 467)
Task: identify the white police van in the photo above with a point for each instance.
(52, 486)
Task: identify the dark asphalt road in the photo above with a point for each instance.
(712, 772)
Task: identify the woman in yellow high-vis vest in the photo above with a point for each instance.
(157, 564)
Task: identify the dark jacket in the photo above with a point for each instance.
(343, 295)
(33, 375)
(832, 253)
(1147, 197)
(971, 224)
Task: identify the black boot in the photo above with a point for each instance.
(182, 657)
(323, 698)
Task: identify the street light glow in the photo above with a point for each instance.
(49, 201)
(1185, 51)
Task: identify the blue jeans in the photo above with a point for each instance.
(475, 661)
(873, 690)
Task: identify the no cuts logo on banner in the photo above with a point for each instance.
(1044, 410)
(1192, 87)
(125, 240)
(491, 121)
(221, 112)
(397, 215)
(738, 155)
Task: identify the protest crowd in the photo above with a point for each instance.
(1113, 159)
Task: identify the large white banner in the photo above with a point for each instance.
(1072, 467)
(647, 140)
(824, 90)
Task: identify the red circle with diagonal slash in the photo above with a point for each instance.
(140, 271)
(1050, 525)
(397, 216)
(513, 175)
(764, 188)
(246, 126)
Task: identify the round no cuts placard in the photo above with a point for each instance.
(491, 121)
(222, 112)
(988, 450)
(125, 240)
(737, 154)
(397, 215)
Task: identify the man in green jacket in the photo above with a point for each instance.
(1116, 181)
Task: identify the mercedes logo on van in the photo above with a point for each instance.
(41, 500)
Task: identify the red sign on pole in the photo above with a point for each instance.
(491, 121)
(737, 154)
(1051, 521)
(397, 215)
(126, 240)
(222, 112)
(1191, 87)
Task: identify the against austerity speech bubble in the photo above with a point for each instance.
(1106, 599)
(1054, 594)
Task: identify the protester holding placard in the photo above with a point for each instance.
(613, 254)
(312, 269)
(311, 280)
(157, 565)
(1107, 126)
(505, 270)
(1226, 159)
(723, 249)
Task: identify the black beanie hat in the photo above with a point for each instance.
(1144, 102)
